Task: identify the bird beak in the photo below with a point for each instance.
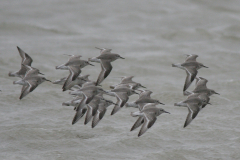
(67, 54)
(48, 80)
(205, 66)
(114, 103)
(167, 112)
(209, 103)
(217, 93)
(161, 103)
(121, 57)
(40, 73)
(90, 64)
(109, 101)
(98, 48)
(142, 86)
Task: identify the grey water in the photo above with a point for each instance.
(150, 35)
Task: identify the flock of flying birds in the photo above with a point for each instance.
(88, 95)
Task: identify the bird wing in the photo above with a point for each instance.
(145, 94)
(73, 58)
(79, 114)
(30, 71)
(26, 89)
(141, 106)
(22, 72)
(74, 73)
(191, 74)
(149, 120)
(191, 57)
(122, 99)
(201, 84)
(106, 69)
(80, 110)
(138, 123)
(127, 80)
(99, 115)
(94, 104)
(26, 59)
(193, 110)
(104, 50)
(89, 114)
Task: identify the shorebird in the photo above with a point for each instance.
(102, 108)
(190, 66)
(201, 87)
(122, 95)
(102, 51)
(105, 60)
(74, 73)
(26, 60)
(79, 81)
(194, 103)
(98, 107)
(127, 81)
(92, 107)
(143, 101)
(203, 96)
(31, 71)
(147, 118)
(74, 60)
(29, 84)
(143, 94)
(74, 65)
(88, 92)
(140, 120)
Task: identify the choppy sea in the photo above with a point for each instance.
(150, 35)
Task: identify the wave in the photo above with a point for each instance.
(30, 28)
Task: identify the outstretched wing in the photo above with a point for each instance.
(138, 123)
(193, 110)
(191, 57)
(106, 69)
(26, 59)
(74, 73)
(99, 115)
(191, 74)
(149, 120)
(122, 99)
(26, 89)
(201, 84)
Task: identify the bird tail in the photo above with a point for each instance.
(135, 114)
